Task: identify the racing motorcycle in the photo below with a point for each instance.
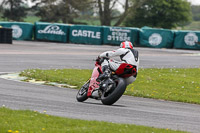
(109, 89)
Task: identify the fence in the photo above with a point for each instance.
(98, 35)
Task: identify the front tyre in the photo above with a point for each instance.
(108, 98)
(82, 93)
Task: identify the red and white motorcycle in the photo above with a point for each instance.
(108, 90)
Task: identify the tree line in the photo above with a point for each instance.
(134, 13)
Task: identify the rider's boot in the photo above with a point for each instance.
(106, 73)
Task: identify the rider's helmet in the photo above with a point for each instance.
(126, 44)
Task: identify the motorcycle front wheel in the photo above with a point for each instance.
(110, 97)
(82, 93)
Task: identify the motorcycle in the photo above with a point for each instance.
(108, 90)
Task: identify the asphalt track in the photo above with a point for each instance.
(61, 101)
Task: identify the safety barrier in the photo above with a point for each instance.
(86, 34)
(21, 31)
(156, 38)
(51, 32)
(187, 40)
(97, 35)
(116, 35)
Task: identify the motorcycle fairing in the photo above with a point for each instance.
(126, 70)
(93, 83)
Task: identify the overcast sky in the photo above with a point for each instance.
(195, 2)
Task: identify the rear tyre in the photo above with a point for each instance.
(82, 93)
(108, 98)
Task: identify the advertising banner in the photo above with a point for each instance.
(86, 34)
(21, 31)
(157, 38)
(116, 35)
(187, 39)
(51, 32)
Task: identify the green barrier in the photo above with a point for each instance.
(86, 34)
(116, 35)
(187, 39)
(51, 32)
(21, 31)
(156, 38)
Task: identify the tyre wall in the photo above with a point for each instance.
(98, 35)
(156, 38)
(21, 31)
(83, 34)
(51, 32)
(187, 40)
(116, 35)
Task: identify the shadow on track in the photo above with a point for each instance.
(100, 104)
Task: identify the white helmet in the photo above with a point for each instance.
(126, 44)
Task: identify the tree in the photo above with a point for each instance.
(106, 9)
(159, 13)
(14, 10)
(196, 12)
(47, 10)
(61, 10)
(67, 10)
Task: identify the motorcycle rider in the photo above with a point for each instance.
(129, 62)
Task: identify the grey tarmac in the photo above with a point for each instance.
(62, 102)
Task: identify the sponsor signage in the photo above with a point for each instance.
(52, 29)
(17, 31)
(20, 30)
(155, 39)
(187, 39)
(85, 34)
(119, 34)
(51, 32)
(190, 39)
(116, 35)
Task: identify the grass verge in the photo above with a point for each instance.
(14, 121)
(180, 85)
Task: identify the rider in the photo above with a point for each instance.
(127, 67)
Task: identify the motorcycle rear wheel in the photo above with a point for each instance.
(109, 98)
(82, 93)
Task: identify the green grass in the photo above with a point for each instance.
(194, 25)
(31, 19)
(180, 85)
(169, 84)
(88, 21)
(76, 77)
(14, 121)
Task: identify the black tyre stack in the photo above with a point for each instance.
(6, 35)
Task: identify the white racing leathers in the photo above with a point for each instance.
(129, 56)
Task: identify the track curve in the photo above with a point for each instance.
(62, 102)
